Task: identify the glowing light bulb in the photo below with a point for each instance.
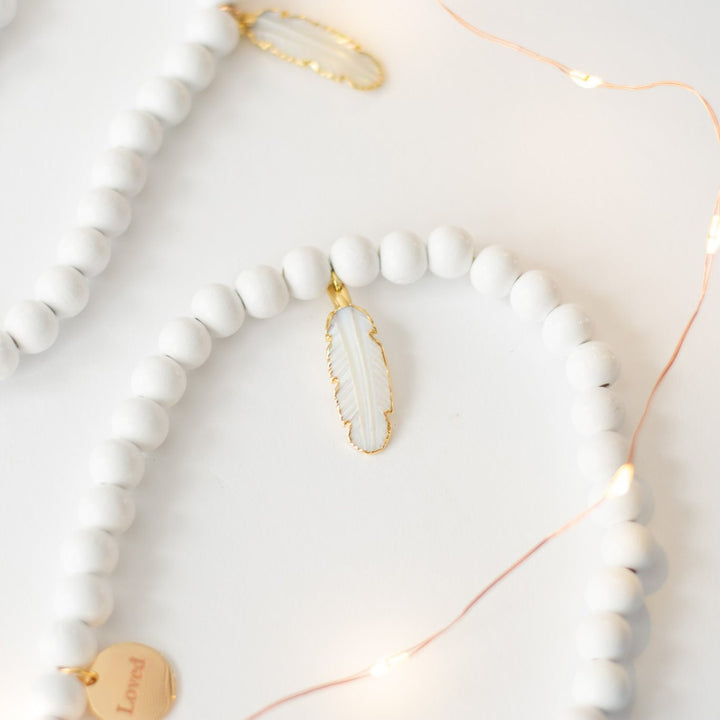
(385, 665)
(713, 239)
(584, 80)
(621, 481)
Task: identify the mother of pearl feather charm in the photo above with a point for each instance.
(359, 372)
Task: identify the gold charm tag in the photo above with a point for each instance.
(130, 680)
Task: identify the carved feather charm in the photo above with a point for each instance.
(359, 373)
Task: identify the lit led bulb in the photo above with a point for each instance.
(385, 665)
(584, 80)
(713, 240)
(621, 481)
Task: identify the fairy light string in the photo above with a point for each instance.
(622, 479)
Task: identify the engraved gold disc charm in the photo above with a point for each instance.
(133, 681)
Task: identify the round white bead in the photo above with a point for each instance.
(85, 249)
(120, 169)
(215, 29)
(105, 210)
(604, 636)
(8, 10)
(90, 550)
(160, 379)
(615, 589)
(186, 340)
(592, 364)
(138, 131)
(597, 409)
(566, 327)
(355, 260)
(307, 272)
(85, 597)
(600, 455)
(450, 252)
(63, 289)
(494, 272)
(534, 295)
(602, 684)
(9, 355)
(107, 507)
(142, 422)
(636, 503)
(117, 462)
(630, 545)
(32, 325)
(219, 308)
(58, 696)
(263, 291)
(190, 63)
(165, 98)
(71, 643)
(403, 257)
(582, 713)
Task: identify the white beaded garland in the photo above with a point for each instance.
(534, 295)
(8, 10)
(107, 507)
(604, 636)
(600, 455)
(166, 99)
(219, 308)
(597, 409)
(566, 327)
(105, 210)
(215, 29)
(630, 545)
(120, 169)
(9, 355)
(117, 462)
(615, 589)
(187, 341)
(307, 272)
(190, 63)
(142, 422)
(263, 291)
(58, 697)
(136, 130)
(32, 325)
(85, 597)
(90, 550)
(85, 249)
(70, 643)
(603, 684)
(354, 260)
(592, 364)
(403, 257)
(159, 378)
(635, 504)
(63, 289)
(450, 252)
(494, 271)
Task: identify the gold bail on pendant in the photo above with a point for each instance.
(339, 294)
(85, 676)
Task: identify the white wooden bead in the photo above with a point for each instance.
(635, 504)
(63, 289)
(597, 409)
(219, 308)
(32, 325)
(566, 327)
(8, 10)
(592, 364)
(105, 210)
(90, 550)
(355, 260)
(85, 249)
(403, 257)
(630, 545)
(70, 643)
(9, 355)
(582, 713)
(190, 63)
(107, 507)
(615, 589)
(58, 697)
(494, 272)
(84, 597)
(142, 422)
(534, 295)
(263, 291)
(215, 29)
(307, 272)
(159, 378)
(117, 462)
(120, 169)
(450, 252)
(603, 684)
(186, 340)
(600, 455)
(136, 130)
(166, 99)
(604, 636)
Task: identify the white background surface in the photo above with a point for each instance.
(266, 555)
